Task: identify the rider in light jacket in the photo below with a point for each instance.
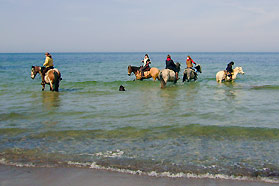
(189, 62)
(146, 61)
(48, 65)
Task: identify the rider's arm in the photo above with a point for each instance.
(46, 62)
(194, 62)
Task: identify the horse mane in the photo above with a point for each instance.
(177, 64)
(134, 68)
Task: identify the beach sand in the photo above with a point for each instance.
(13, 176)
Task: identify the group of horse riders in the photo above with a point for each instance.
(48, 64)
(171, 65)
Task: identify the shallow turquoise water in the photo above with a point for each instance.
(196, 127)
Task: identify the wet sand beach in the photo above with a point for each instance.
(23, 176)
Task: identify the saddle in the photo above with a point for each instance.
(44, 70)
(192, 70)
(226, 74)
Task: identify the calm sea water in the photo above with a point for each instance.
(201, 128)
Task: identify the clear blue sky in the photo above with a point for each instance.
(139, 25)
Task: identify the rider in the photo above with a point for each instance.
(48, 65)
(170, 65)
(189, 62)
(229, 69)
(146, 61)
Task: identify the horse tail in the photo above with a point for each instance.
(56, 80)
(184, 76)
(160, 76)
(163, 83)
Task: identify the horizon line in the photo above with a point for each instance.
(141, 52)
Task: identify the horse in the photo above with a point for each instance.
(52, 77)
(191, 74)
(168, 75)
(153, 72)
(221, 75)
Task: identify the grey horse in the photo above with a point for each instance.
(189, 73)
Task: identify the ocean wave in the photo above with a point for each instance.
(266, 87)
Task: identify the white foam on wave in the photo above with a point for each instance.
(111, 154)
(94, 165)
(3, 161)
(108, 154)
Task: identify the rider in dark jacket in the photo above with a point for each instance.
(229, 69)
(170, 65)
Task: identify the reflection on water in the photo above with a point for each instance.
(50, 100)
(227, 91)
(169, 99)
(230, 91)
(192, 89)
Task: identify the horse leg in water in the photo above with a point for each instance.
(43, 86)
(188, 75)
(154, 76)
(195, 75)
(50, 84)
(163, 83)
(184, 76)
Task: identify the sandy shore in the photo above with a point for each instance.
(12, 176)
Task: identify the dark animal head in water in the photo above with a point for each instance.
(121, 88)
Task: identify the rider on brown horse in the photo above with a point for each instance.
(146, 61)
(48, 65)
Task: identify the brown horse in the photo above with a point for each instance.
(52, 77)
(153, 72)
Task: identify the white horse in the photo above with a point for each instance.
(168, 75)
(221, 75)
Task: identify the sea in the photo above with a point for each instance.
(200, 129)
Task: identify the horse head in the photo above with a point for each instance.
(177, 66)
(240, 70)
(129, 70)
(198, 67)
(34, 71)
(132, 69)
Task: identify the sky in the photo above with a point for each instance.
(139, 26)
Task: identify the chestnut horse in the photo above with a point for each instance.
(153, 72)
(52, 77)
